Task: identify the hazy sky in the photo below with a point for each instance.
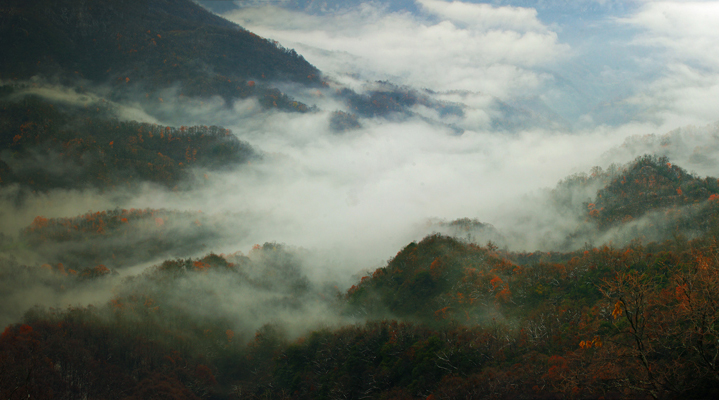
(612, 69)
(591, 61)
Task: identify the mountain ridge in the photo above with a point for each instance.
(153, 44)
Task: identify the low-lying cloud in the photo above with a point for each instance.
(649, 61)
(452, 46)
(682, 37)
(350, 201)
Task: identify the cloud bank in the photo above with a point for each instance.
(683, 36)
(593, 62)
(449, 46)
(353, 200)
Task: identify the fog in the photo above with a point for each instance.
(449, 46)
(593, 62)
(351, 200)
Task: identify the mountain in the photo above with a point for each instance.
(98, 304)
(444, 318)
(120, 237)
(648, 184)
(466, 322)
(122, 51)
(142, 46)
(47, 145)
(386, 100)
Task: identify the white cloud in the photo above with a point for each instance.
(455, 46)
(686, 29)
(685, 95)
(684, 37)
(364, 194)
(485, 16)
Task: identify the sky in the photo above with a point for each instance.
(591, 61)
(615, 72)
(611, 69)
(608, 69)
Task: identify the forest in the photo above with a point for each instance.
(139, 48)
(122, 274)
(444, 318)
(92, 148)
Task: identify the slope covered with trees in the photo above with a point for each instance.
(632, 316)
(633, 322)
(139, 47)
(649, 183)
(443, 319)
(46, 145)
(648, 199)
(120, 238)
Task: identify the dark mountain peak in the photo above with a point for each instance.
(649, 183)
(152, 44)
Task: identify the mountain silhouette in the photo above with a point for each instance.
(146, 45)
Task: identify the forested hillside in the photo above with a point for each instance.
(140, 47)
(89, 147)
(118, 238)
(399, 243)
(445, 318)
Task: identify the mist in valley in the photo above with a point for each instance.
(341, 203)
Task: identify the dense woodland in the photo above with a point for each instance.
(444, 318)
(625, 307)
(91, 148)
(140, 47)
(120, 237)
